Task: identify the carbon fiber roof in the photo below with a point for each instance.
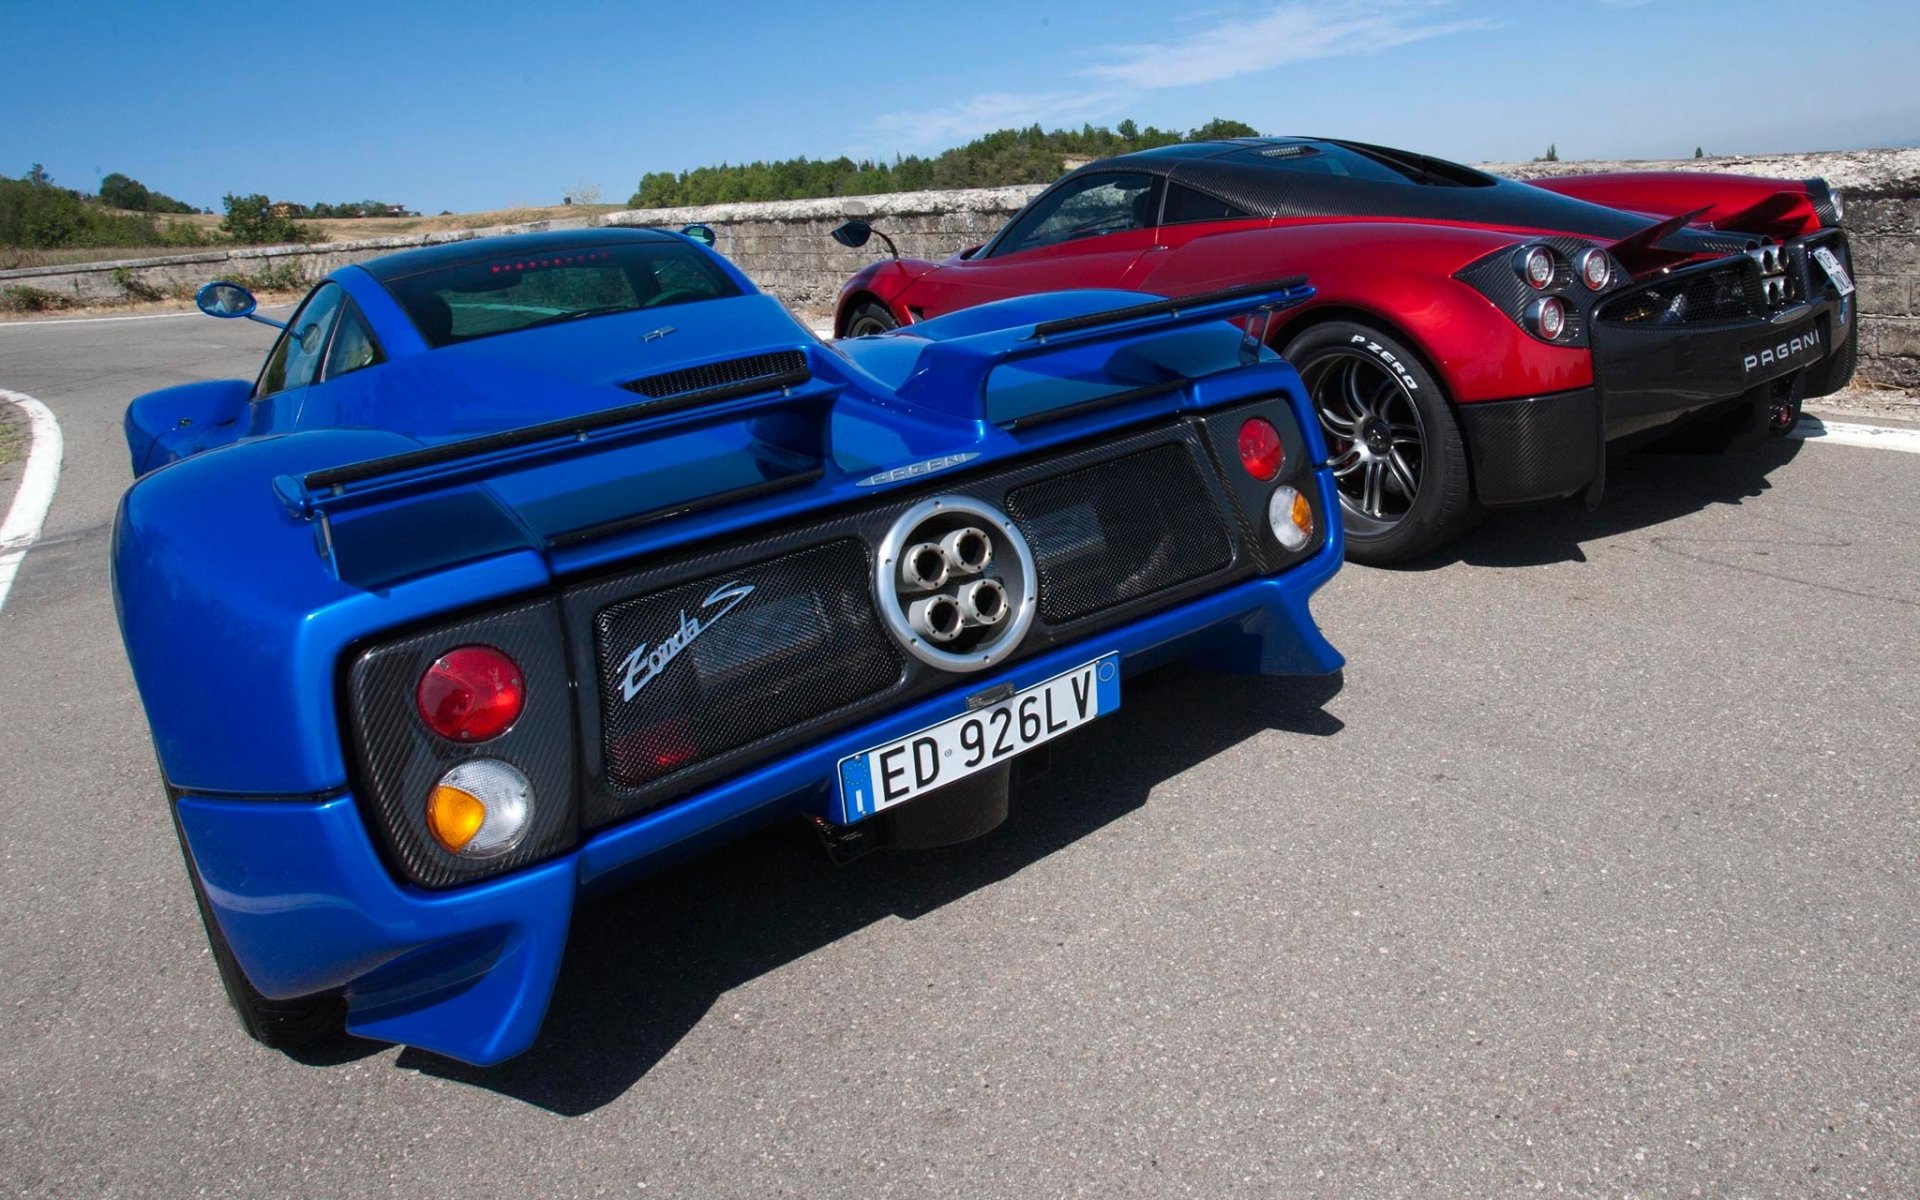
(1246, 173)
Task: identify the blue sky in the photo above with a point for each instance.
(484, 104)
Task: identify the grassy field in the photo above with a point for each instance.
(328, 230)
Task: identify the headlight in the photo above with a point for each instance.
(1596, 269)
(1536, 266)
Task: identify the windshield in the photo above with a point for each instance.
(480, 299)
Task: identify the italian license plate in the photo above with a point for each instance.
(875, 780)
(1830, 263)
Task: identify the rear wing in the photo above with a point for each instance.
(1089, 353)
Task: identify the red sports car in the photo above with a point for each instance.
(1472, 340)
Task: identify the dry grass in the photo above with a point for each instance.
(13, 448)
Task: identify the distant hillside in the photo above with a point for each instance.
(1010, 156)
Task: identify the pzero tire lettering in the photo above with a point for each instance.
(1386, 356)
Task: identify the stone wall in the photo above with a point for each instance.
(786, 247)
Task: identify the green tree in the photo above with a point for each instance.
(1220, 127)
(250, 220)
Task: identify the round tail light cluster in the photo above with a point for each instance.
(1548, 317)
(1596, 269)
(1537, 265)
(480, 808)
(1261, 451)
(471, 694)
(1290, 517)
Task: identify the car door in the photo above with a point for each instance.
(294, 362)
(1089, 231)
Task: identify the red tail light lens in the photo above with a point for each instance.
(471, 694)
(1260, 450)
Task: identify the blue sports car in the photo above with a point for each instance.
(529, 564)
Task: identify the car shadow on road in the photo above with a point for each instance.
(1645, 488)
(644, 966)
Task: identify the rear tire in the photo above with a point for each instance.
(869, 317)
(1392, 438)
(282, 1024)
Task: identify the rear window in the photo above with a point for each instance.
(1377, 164)
(480, 299)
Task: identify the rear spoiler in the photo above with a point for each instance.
(952, 374)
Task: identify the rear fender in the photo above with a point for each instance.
(1398, 276)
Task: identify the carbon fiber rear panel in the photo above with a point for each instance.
(761, 649)
(1124, 529)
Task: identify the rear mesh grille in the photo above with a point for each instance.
(1730, 292)
(718, 668)
(720, 374)
(1121, 530)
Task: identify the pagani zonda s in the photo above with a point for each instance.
(529, 564)
(1472, 340)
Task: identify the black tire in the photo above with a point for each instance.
(867, 317)
(1375, 401)
(282, 1024)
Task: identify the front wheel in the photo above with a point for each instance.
(1392, 440)
(869, 316)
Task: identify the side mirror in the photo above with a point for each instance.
(699, 233)
(854, 234)
(223, 299)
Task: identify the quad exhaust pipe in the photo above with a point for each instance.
(968, 550)
(924, 568)
(983, 602)
(937, 618)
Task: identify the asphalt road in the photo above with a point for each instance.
(1596, 876)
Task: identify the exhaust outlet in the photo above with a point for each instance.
(924, 567)
(983, 602)
(968, 550)
(937, 618)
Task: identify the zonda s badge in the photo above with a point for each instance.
(641, 667)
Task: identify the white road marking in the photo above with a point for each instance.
(29, 509)
(1845, 433)
(44, 322)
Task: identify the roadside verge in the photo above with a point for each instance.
(34, 493)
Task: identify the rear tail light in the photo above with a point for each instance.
(1261, 451)
(1536, 265)
(456, 730)
(1547, 317)
(480, 809)
(1291, 517)
(1596, 269)
(471, 694)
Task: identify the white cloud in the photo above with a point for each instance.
(1288, 33)
(1233, 43)
(942, 127)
